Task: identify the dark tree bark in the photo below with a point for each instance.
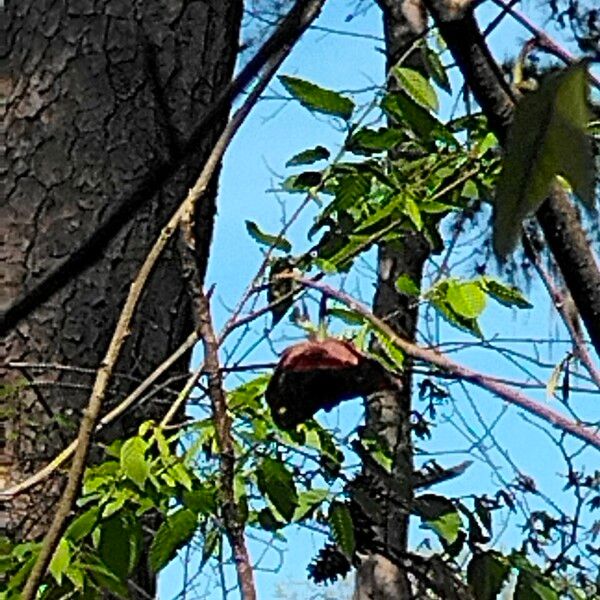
(97, 95)
(388, 413)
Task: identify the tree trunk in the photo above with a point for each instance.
(388, 414)
(97, 96)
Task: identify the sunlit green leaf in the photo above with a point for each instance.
(439, 514)
(133, 460)
(466, 298)
(417, 87)
(407, 286)
(60, 560)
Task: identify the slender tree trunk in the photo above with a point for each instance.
(96, 96)
(388, 414)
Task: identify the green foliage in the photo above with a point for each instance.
(318, 99)
(307, 157)
(276, 241)
(487, 573)
(176, 531)
(440, 514)
(276, 482)
(416, 87)
(342, 528)
(547, 138)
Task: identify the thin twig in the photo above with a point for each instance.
(234, 527)
(505, 392)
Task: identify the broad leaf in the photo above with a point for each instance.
(507, 295)
(83, 524)
(317, 98)
(406, 285)
(467, 299)
(276, 482)
(370, 141)
(133, 460)
(308, 502)
(417, 87)
(274, 241)
(120, 544)
(547, 138)
(307, 157)
(60, 560)
(342, 527)
(486, 574)
(439, 514)
(436, 70)
(175, 532)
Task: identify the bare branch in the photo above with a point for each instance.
(579, 430)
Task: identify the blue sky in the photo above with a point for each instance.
(275, 131)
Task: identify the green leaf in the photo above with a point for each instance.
(417, 87)
(532, 587)
(60, 560)
(406, 285)
(470, 190)
(212, 540)
(280, 293)
(351, 189)
(409, 113)
(276, 482)
(133, 460)
(466, 299)
(83, 524)
(486, 574)
(547, 138)
(120, 544)
(307, 157)
(308, 502)
(316, 98)
(504, 294)
(414, 214)
(175, 532)
(370, 141)
(436, 70)
(275, 241)
(303, 182)
(107, 580)
(201, 501)
(440, 514)
(342, 527)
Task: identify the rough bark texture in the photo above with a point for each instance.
(388, 413)
(96, 95)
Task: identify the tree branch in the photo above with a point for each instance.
(579, 430)
(233, 525)
(557, 215)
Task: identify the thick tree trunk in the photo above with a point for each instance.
(388, 414)
(96, 96)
